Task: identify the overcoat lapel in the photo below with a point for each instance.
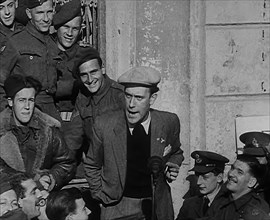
(119, 146)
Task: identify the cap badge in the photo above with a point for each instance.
(255, 142)
(198, 159)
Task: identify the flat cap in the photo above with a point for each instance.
(16, 82)
(66, 11)
(35, 3)
(4, 183)
(140, 76)
(206, 161)
(83, 55)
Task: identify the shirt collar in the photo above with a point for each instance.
(145, 124)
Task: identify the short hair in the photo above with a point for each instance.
(255, 168)
(61, 203)
(16, 183)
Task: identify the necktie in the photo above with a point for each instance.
(138, 131)
(205, 204)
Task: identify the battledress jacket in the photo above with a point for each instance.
(48, 149)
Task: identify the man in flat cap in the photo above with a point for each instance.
(32, 52)
(209, 169)
(30, 141)
(257, 144)
(123, 142)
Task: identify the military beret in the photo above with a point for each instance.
(16, 82)
(83, 55)
(207, 161)
(255, 138)
(66, 11)
(140, 76)
(35, 3)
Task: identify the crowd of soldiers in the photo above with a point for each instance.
(62, 117)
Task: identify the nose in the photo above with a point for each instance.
(199, 180)
(7, 10)
(69, 31)
(38, 194)
(46, 17)
(132, 102)
(89, 78)
(27, 105)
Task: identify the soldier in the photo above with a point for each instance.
(30, 141)
(32, 52)
(98, 95)
(209, 169)
(242, 201)
(257, 144)
(67, 21)
(7, 26)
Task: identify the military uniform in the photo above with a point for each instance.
(30, 52)
(4, 36)
(109, 98)
(194, 207)
(256, 144)
(248, 207)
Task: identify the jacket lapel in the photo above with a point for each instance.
(157, 135)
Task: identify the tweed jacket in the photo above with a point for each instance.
(106, 161)
(51, 154)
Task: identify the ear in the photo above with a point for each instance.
(252, 182)
(28, 13)
(220, 177)
(103, 70)
(10, 102)
(16, 3)
(153, 98)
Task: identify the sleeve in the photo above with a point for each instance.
(8, 59)
(63, 168)
(93, 164)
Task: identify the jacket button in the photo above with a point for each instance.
(31, 57)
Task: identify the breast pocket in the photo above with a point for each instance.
(31, 61)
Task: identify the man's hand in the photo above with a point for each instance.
(171, 171)
(48, 182)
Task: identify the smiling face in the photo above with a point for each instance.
(31, 198)
(138, 102)
(68, 33)
(240, 181)
(92, 75)
(7, 13)
(41, 16)
(209, 183)
(23, 105)
(8, 201)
